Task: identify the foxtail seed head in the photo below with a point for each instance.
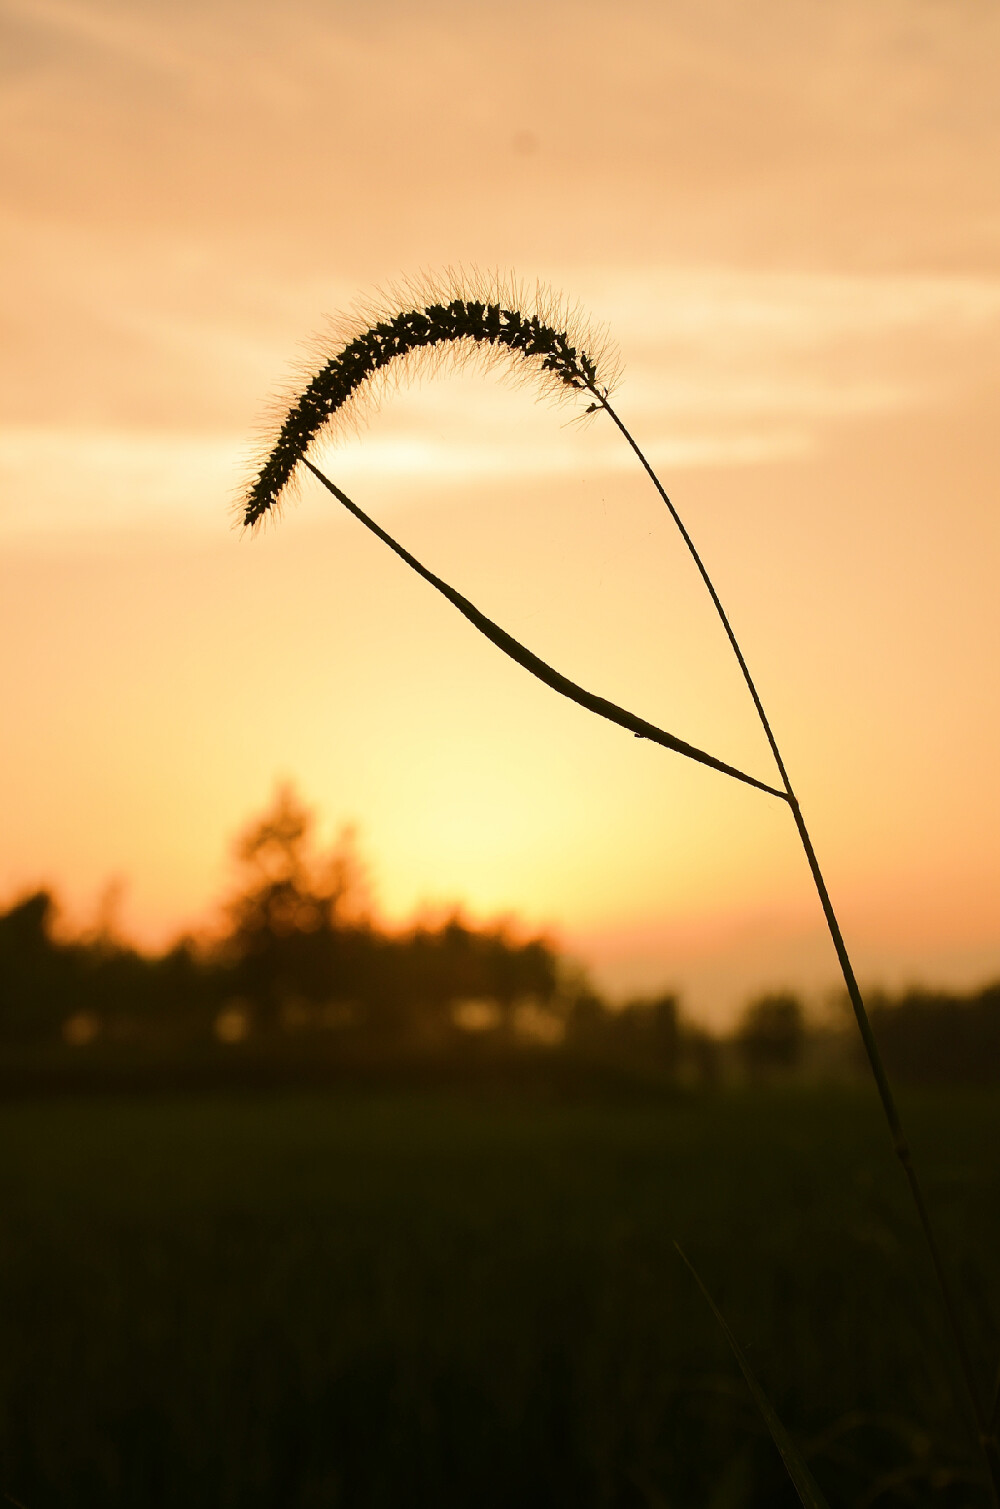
(460, 316)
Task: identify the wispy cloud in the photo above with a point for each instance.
(56, 480)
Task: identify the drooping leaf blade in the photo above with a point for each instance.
(805, 1484)
(538, 667)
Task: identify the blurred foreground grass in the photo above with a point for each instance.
(434, 1298)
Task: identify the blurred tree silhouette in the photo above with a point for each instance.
(771, 1033)
(299, 930)
(930, 1036)
(651, 1028)
(647, 1035)
(36, 975)
(302, 949)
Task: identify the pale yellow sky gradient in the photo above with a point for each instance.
(789, 217)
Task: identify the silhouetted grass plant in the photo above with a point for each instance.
(535, 334)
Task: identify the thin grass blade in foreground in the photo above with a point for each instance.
(805, 1484)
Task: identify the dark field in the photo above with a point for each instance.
(442, 1299)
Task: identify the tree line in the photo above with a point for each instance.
(300, 967)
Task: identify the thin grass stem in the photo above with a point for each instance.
(986, 1427)
(703, 572)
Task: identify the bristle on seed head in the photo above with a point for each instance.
(460, 316)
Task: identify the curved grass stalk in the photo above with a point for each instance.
(986, 1427)
(488, 316)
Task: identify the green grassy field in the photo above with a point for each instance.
(442, 1299)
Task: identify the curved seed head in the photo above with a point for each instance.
(460, 316)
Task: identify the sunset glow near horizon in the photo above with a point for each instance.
(788, 220)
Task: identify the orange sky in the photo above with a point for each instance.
(788, 215)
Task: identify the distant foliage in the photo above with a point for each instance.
(298, 929)
(932, 1037)
(36, 977)
(301, 963)
(298, 954)
(55, 988)
(771, 1033)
